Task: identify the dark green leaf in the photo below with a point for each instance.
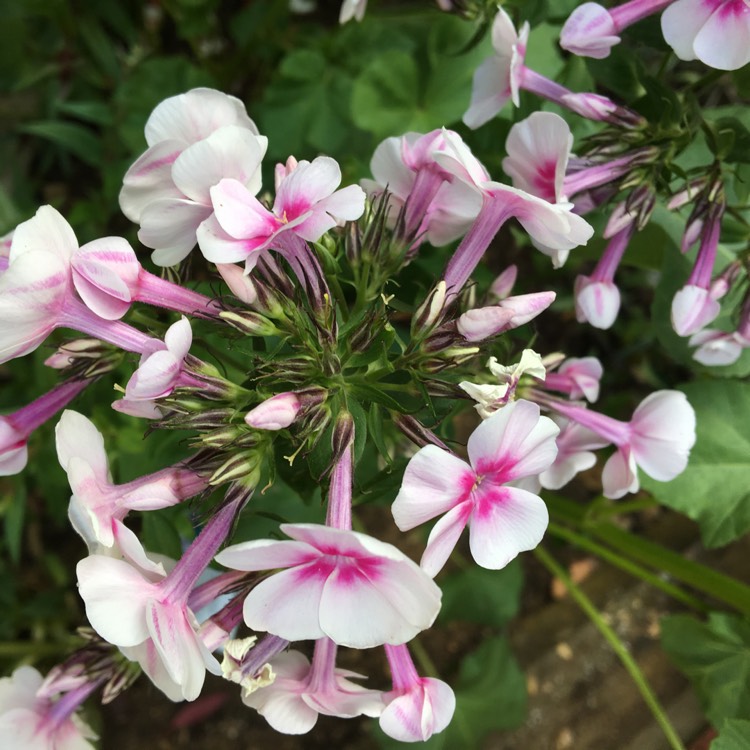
(734, 735)
(76, 139)
(487, 597)
(715, 655)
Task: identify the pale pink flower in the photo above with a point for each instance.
(37, 294)
(307, 203)
(109, 278)
(657, 439)
(591, 30)
(132, 604)
(16, 428)
(96, 501)
(574, 446)
(512, 312)
(499, 77)
(578, 378)
(159, 372)
(437, 206)
(30, 720)
(718, 348)
(339, 584)
(275, 413)
(417, 707)
(301, 691)
(195, 139)
(513, 443)
(716, 32)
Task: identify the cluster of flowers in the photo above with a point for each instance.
(540, 160)
(197, 183)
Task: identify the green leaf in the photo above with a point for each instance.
(76, 139)
(713, 490)
(734, 735)
(490, 695)
(13, 512)
(486, 597)
(160, 535)
(715, 655)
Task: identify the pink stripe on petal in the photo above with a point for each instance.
(266, 554)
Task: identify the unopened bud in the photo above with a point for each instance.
(430, 312)
(416, 431)
(250, 323)
(502, 286)
(343, 434)
(241, 466)
(239, 283)
(71, 351)
(441, 339)
(275, 413)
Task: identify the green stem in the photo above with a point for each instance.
(697, 576)
(617, 646)
(427, 665)
(628, 566)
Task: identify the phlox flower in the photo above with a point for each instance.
(97, 502)
(301, 691)
(575, 444)
(716, 32)
(591, 30)
(159, 372)
(194, 141)
(511, 444)
(16, 428)
(352, 9)
(307, 204)
(578, 378)
(437, 205)
(658, 439)
(37, 293)
(30, 720)
(417, 707)
(133, 604)
(340, 584)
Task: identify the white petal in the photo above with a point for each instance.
(434, 482)
(724, 40)
(444, 537)
(47, 230)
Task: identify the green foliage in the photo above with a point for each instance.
(715, 655)
(714, 490)
(734, 735)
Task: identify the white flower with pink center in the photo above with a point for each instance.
(437, 205)
(195, 139)
(716, 32)
(29, 720)
(340, 584)
(307, 204)
(514, 443)
(301, 691)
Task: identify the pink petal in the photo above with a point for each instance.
(14, 461)
(597, 302)
(589, 32)
(105, 274)
(195, 115)
(620, 474)
(693, 308)
(425, 710)
(505, 522)
(375, 602)
(538, 150)
(308, 184)
(513, 442)
(156, 377)
(240, 214)
(286, 712)
(389, 170)
(152, 664)
(219, 247)
(434, 482)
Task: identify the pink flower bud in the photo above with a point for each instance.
(502, 286)
(597, 302)
(693, 308)
(512, 312)
(238, 282)
(274, 413)
(589, 32)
